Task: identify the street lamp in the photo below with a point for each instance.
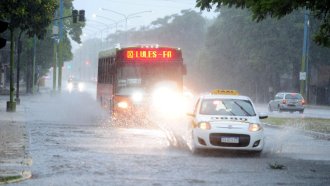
(106, 26)
(115, 22)
(99, 22)
(106, 18)
(96, 30)
(126, 17)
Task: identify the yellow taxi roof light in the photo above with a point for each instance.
(225, 92)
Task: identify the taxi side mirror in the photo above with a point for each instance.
(191, 114)
(263, 115)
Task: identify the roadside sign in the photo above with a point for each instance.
(302, 76)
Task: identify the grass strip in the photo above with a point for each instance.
(7, 179)
(310, 124)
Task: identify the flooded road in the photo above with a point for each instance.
(72, 142)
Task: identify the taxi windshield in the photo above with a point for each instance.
(227, 107)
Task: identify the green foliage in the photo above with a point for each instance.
(252, 57)
(73, 29)
(278, 9)
(36, 17)
(31, 16)
(8, 179)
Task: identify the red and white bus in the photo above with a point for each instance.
(131, 79)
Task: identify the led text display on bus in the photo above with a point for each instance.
(150, 55)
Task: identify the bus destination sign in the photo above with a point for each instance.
(151, 54)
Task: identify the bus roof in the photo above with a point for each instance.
(106, 53)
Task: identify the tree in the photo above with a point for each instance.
(252, 57)
(31, 16)
(320, 9)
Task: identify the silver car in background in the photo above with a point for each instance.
(287, 101)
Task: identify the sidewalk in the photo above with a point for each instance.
(14, 142)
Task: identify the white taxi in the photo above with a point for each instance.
(224, 119)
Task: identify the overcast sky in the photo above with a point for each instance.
(158, 8)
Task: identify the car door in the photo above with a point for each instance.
(278, 99)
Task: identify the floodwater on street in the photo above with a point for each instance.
(72, 142)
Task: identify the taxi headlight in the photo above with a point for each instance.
(122, 104)
(204, 125)
(253, 127)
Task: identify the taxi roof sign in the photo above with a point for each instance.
(224, 92)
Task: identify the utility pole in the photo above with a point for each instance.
(60, 53)
(19, 49)
(55, 35)
(34, 63)
(11, 104)
(303, 72)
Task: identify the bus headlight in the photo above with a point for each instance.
(137, 97)
(70, 86)
(123, 105)
(81, 86)
(169, 102)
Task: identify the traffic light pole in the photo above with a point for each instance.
(59, 57)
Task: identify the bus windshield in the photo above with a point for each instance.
(133, 77)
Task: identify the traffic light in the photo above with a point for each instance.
(82, 15)
(3, 27)
(74, 16)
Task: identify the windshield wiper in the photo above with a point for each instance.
(231, 112)
(240, 106)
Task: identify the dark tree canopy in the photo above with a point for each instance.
(30, 15)
(261, 9)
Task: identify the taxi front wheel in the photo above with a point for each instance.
(194, 150)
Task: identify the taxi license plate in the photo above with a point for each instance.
(229, 140)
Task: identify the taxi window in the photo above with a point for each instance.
(227, 107)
